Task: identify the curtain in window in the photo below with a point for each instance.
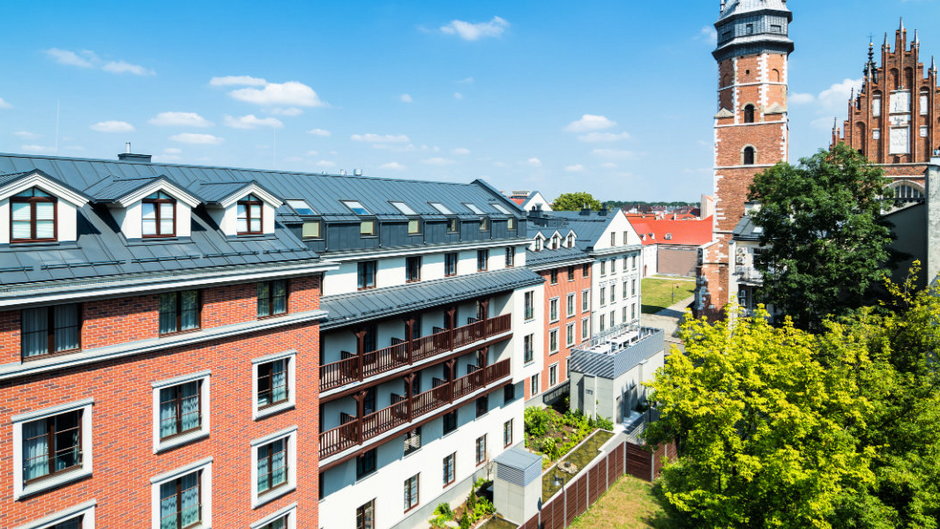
(35, 332)
(190, 499)
(264, 292)
(21, 220)
(66, 327)
(279, 381)
(35, 450)
(189, 317)
(279, 462)
(168, 507)
(191, 416)
(68, 445)
(167, 413)
(45, 220)
(168, 313)
(149, 219)
(166, 218)
(280, 297)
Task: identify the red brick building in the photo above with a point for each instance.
(751, 127)
(895, 118)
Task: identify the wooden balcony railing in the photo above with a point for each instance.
(357, 431)
(359, 367)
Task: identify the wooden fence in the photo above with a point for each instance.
(586, 488)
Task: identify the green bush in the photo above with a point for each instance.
(537, 421)
(442, 514)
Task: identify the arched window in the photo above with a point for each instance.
(749, 114)
(750, 155)
(249, 216)
(159, 215)
(32, 216)
(775, 75)
(908, 193)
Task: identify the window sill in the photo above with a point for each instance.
(175, 442)
(273, 494)
(52, 482)
(274, 409)
(270, 316)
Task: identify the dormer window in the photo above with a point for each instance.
(159, 215)
(484, 224)
(250, 212)
(538, 245)
(33, 216)
(570, 241)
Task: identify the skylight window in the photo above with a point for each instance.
(500, 208)
(474, 208)
(356, 207)
(404, 208)
(441, 207)
(301, 207)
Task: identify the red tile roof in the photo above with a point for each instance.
(669, 231)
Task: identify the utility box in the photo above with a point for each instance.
(517, 488)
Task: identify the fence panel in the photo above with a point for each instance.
(577, 499)
(549, 520)
(639, 462)
(596, 484)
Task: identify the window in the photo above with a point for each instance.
(485, 224)
(633, 287)
(412, 440)
(528, 349)
(404, 208)
(553, 275)
(626, 240)
(613, 239)
(924, 102)
(750, 156)
(413, 269)
(749, 29)
(602, 326)
(414, 227)
(272, 465)
(529, 302)
(571, 306)
(625, 263)
(603, 296)
(553, 341)
(273, 383)
(538, 244)
(180, 411)
(585, 328)
(481, 450)
(876, 106)
(511, 223)
(77, 517)
(179, 311)
(613, 293)
(411, 492)
(356, 207)
(509, 393)
(613, 266)
(570, 241)
(441, 208)
(483, 406)
(450, 264)
(249, 215)
(183, 498)
(450, 469)
(633, 312)
(312, 229)
(624, 317)
(51, 447)
(367, 228)
(272, 298)
(473, 208)
(749, 113)
(585, 300)
(158, 214)
(552, 375)
(49, 330)
(483, 256)
(776, 28)
(633, 262)
(285, 518)
(625, 292)
(553, 309)
(586, 270)
(453, 226)
(570, 273)
(613, 319)
(450, 422)
(33, 216)
(300, 206)
(569, 334)
(510, 257)
(534, 384)
(366, 274)
(603, 268)
(365, 516)
(366, 464)
(507, 433)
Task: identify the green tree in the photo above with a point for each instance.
(576, 202)
(825, 245)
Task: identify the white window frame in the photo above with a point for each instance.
(291, 401)
(553, 332)
(86, 509)
(585, 328)
(205, 490)
(290, 512)
(259, 499)
(585, 300)
(557, 316)
(160, 445)
(20, 489)
(553, 369)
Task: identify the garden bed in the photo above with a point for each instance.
(554, 479)
(553, 434)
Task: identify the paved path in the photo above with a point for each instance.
(668, 319)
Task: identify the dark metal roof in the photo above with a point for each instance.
(561, 256)
(588, 227)
(354, 307)
(111, 189)
(746, 230)
(611, 366)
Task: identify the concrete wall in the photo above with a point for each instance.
(677, 260)
(933, 219)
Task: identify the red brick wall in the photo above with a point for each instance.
(123, 415)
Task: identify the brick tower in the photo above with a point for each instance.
(751, 127)
(894, 119)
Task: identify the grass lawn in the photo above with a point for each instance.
(629, 504)
(659, 294)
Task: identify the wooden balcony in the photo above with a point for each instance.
(360, 367)
(359, 430)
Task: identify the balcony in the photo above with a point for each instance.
(359, 430)
(360, 367)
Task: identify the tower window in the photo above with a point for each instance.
(776, 28)
(749, 114)
(749, 29)
(750, 155)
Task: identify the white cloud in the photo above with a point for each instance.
(590, 122)
(534, 162)
(461, 151)
(172, 150)
(326, 163)
(440, 162)
(320, 132)
(289, 112)
(392, 166)
(4, 104)
(112, 126)
(252, 122)
(180, 119)
(604, 137)
(237, 80)
(836, 96)
(126, 67)
(614, 154)
(312, 153)
(476, 31)
(708, 34)
(609, 165)
(37, 148)
(380, 138)
(406, 98)
(26, 135)
(577, 168)
(802, 99)
(197, 139)
(291, 93)
(458, 96)
(84, 59)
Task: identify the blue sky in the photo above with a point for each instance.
(612, 97)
